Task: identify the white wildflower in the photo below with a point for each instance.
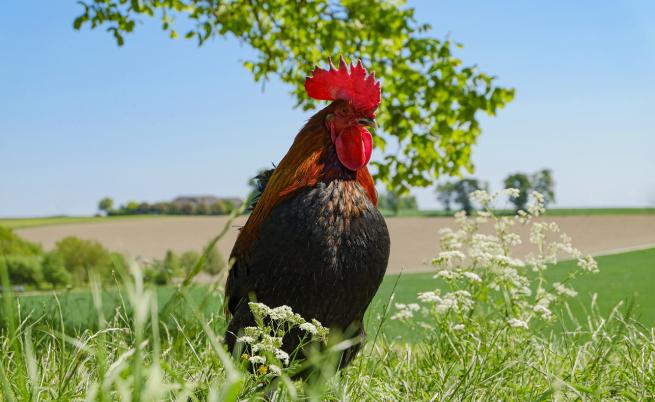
(274, 370)
(588, 264)
(543, 311)
(512, 192)
(285, 314)
(449, 259)
(472, 277)
(512, 239)
(282, 356)
(537, 207)
(321, 331)
(516, 323)
(428, 297)
(482, 197)
(309, 327)
(447, 274)
(458, 327)
(458, 301)
(405, 311)
(257, 359)
(563, 290)
(246, 339)
(259, 310)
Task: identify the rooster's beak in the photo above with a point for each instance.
(367, 122)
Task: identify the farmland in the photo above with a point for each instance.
(414, 241)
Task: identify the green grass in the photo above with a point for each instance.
(19, 223)
(622, 277)
(181, 358)
(550, 212)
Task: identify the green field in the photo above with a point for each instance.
(627, 277)
(549, 212)
(623, 277)
(18, 223)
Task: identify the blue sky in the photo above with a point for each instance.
(81, 118)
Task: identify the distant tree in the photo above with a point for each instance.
(202, 209)
(543, 182)
(218, 208)
(521, 182)
(395, 202)
(131, 208)
(174, 208)
(445, 194)
(389, 201)
(462, 190)
(54, 270)
(408, 203)
(161, 208)
(187, 209)
(106, 205)
(229, 206)
(458, 192)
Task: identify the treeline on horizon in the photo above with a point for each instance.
(218, 207)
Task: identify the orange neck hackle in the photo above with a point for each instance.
(304, 165)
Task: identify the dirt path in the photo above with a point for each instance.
(414, 241)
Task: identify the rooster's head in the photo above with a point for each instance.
(356, 96)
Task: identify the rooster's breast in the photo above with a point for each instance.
(323, 251)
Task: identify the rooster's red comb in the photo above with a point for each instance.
(356, 85)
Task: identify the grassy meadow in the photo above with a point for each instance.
(103, 346)
(126, 340)
(20, 223)
(626, 277)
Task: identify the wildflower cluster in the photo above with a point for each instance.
(485, 276)
(264, 342)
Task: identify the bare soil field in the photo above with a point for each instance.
(414, 241)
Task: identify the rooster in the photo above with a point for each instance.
(315, 240)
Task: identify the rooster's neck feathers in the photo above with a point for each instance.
(310, 160)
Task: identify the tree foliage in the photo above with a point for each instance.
(83, 256)
(395, 202)
(543, 182)
(431, 100)
(54, 270)
(459, 192)
(106, 205)
(521, 182)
